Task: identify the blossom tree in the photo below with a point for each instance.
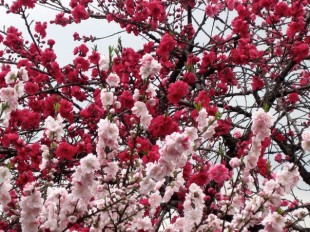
(205, 128)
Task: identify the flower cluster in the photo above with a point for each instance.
(149, 66)
(54, 127)
(140, 110)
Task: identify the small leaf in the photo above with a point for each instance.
(280, 211)
(9, 165)
(266, 107)
(56, 106)
(198, 106)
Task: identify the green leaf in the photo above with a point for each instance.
(56, 106)
(266, 107)
(119, 44)
(9, 165)
(280, 211)
(218, 115)
(197, 106)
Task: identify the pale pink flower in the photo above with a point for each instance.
(146, 121)
(5, 175)
(271, 186)
(193, 206)
(89, 163)
(23, 73)
(206, 124)
(273, 223)
(173, 187)
(149, 66)
(202, 119)
(136, 95)
(181, 224)
(104, 63)
(155, 199)
(107, 98)
(45, 156)
(237, 134)
(159, 170)
(234, 162)
(54, 127)
(219, 173)
(144, 224)
(55, 219)
(108, 134)
(287, 178)
(113, 80)
(8, 95)
(11, 77)
(139, 109)
(151, 90)
(305, 144)
(175, 149)
(31, 206)
(262, 122)
(19, 89)
(5, 187)
(167, 167)
(250, 161)
(111, 170)
(147, 185)
(191, 132)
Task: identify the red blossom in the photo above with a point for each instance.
(176, 91)
(293, 98)
(166, 45)
(162, 126)
(66, 151)
(41, 28)
(300, 51)
(257, 83)
(79, 13)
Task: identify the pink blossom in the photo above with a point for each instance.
(262, 122)
(175, 148)
(30, 205)
(218, 173)
(149, 66)
(54, 127)
(89, 163)
(107, 98)
(234, 162)
(111, 170)
(139, 109)
(193, 206)
(250, 161)
(113, 80)
(273, 223)
(5, 187)
(144, 224)
(108, 133)
(8, 95)
(104, 64)
(305, 144)
(11, 77)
